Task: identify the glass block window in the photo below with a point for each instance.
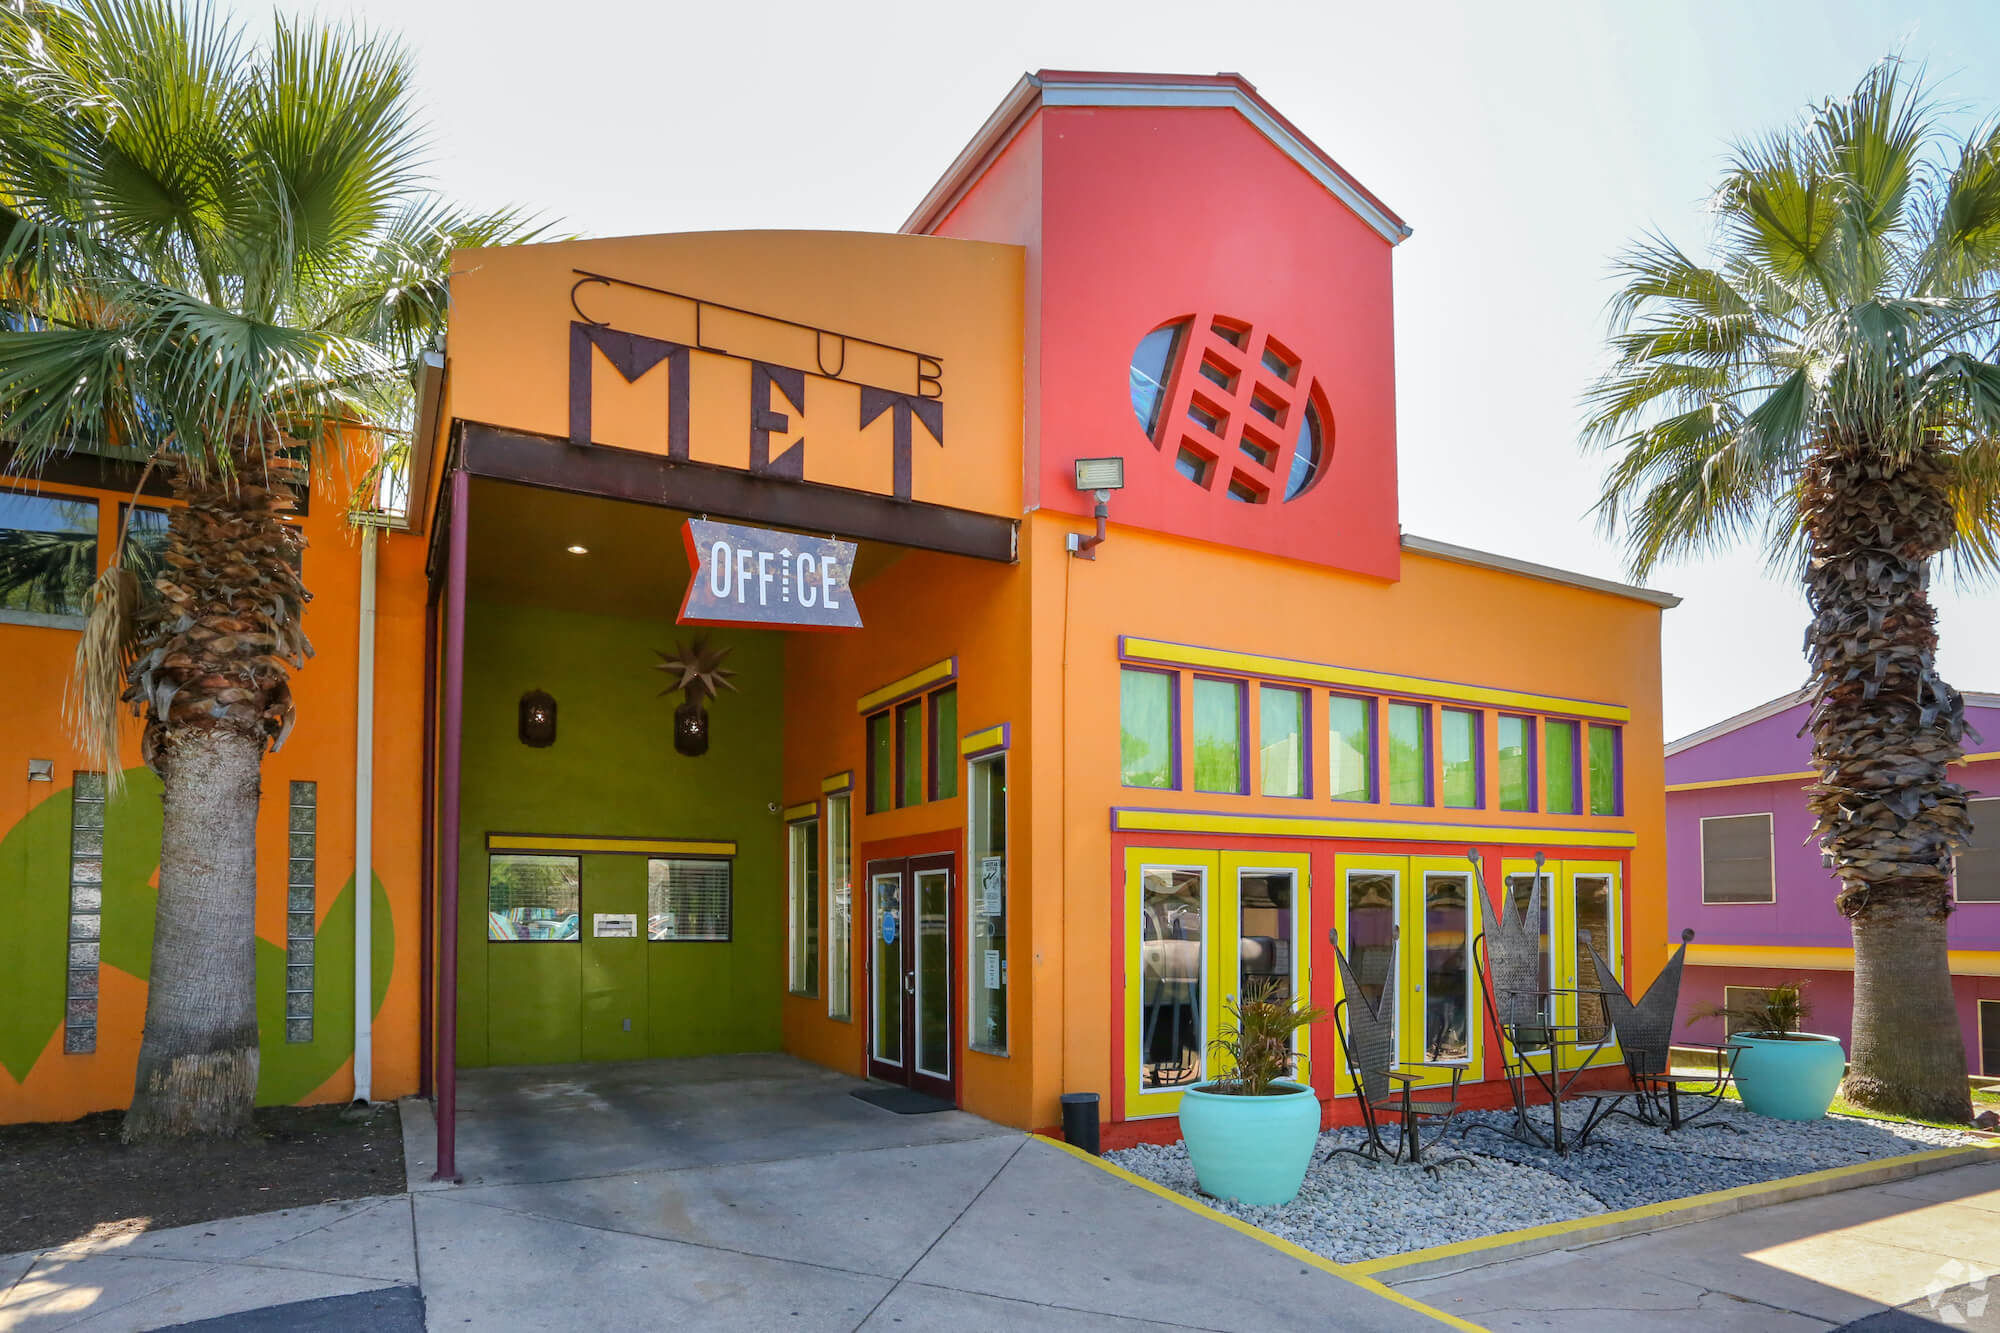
(86, 911)
(688, 899)
(301, 910)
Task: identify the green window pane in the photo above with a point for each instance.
(1603, 770)
(1349, 723)
(1218, 735)
(1517, 772)
(881, 764)
(1146, 728)
(944, 743)
(910, 753)
(1409, 754)
(1458, 738)
(1281, 743)
(1561, 740)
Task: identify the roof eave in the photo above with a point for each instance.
(1050, 88)
(1466, 555)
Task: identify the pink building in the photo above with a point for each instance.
(1744, 872)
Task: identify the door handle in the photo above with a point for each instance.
(909, 983)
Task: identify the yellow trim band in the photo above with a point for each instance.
(1353, 678)
(1382, 830)
(792, 814)
(934, 674)
(839, 782)
(532, 842)
(990, 739)
(1349, 1273)
(1411, 1258)
(1822, 958)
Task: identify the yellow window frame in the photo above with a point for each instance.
(1345, 866)
(1415, 964)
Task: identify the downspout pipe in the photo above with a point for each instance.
(364, 828)
(453, 710)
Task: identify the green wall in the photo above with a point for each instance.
(613, 772)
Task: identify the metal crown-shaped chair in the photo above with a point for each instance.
(1645, 1031)
(1367, 1032)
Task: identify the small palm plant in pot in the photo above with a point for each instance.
(1250, 1132)
(1781, 1071)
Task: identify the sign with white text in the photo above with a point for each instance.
(755, 576)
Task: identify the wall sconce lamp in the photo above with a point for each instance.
(1102, 475)
(538, 719)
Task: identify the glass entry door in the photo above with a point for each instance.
(910, 1010)
(1203, 929)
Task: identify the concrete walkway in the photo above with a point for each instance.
(1914, 1254)
(746, 1194)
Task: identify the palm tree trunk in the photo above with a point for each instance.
(198, 1059)
(1885, 727)
(1908, 1055)
(211, 674)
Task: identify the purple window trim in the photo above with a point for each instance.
(1173, 732)
(1305, 740)
(1414, 695)
(1578, 795)
(1478, 756)
(1372, 711)
(1241, 685)
(896, 745)
(1429, 758)
(1530, 733)
(1617, 810)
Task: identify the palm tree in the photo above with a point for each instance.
(1826, 385)
(221, 255)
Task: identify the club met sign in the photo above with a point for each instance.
(756, 576)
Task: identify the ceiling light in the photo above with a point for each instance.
(579, 550)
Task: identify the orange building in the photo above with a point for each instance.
(1149, 693)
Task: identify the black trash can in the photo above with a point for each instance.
(1079, 1113)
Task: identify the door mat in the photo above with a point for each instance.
(903, 1101)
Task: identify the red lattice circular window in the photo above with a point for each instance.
(1236, 411)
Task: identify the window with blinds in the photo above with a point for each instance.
(687, 899)
(1736, 860)
(1979, 859)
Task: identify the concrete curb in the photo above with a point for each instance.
(1456, 1258)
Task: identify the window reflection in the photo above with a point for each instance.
(1264, 932)
(1371, 929)
(532, 897)
(1593, 922)
(1447, 975)
(48, 553)
(1150, 362)
(1519, 889)
(1170, 970)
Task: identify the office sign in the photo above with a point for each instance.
(756, 576)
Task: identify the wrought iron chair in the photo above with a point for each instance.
(1645, 1031)
(1367, 1032)
(1508, 960)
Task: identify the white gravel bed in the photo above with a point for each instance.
(1349, 1210)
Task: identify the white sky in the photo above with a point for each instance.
(1525, 144)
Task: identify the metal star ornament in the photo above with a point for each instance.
(696, 670)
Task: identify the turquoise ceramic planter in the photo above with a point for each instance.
(1254, 1150)
(1789, 1080)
